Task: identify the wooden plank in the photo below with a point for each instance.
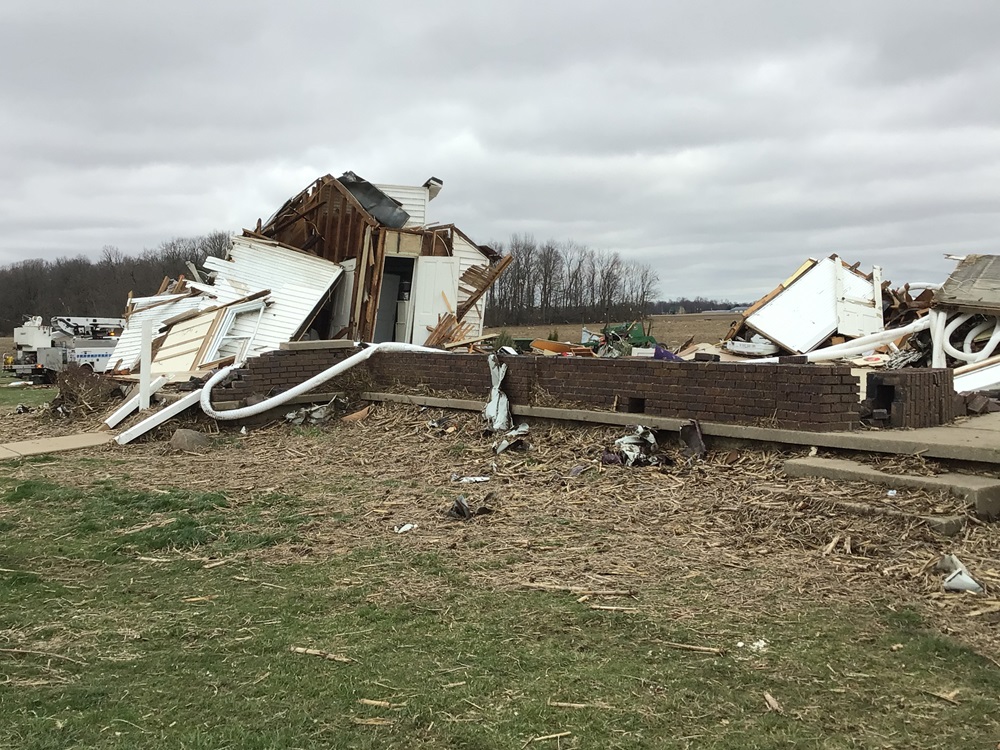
(468, 342)
(357, 295)
(374, 240)
(343, 231)
(483, 286)
(163, 302)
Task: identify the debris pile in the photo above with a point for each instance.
(82, 391)
(824, 303)
(830, 311)
(343, 259)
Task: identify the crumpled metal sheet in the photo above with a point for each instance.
(312, 415)
(497, 409)
(513, 439)
(638, 448)
(693, 439)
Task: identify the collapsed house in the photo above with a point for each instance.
(343, 259)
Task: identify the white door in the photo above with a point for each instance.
(435, 279)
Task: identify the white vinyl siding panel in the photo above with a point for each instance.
(413, 199)
(298, 283)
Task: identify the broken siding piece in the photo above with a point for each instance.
(476, 281)
(985, 378)
(126, 353)
(805, 313)
(299, 282)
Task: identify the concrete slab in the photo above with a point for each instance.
(961, 442)
(54, 444)
(981, 492)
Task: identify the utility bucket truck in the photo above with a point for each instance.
(41, 351)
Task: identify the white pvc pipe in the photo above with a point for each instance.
(991, 345)
(941, 331)
(972, 334)
(949, 329)
(858, 345)
(938, 319)
(304, 387)
(923, 285)
(988, 348)
(965, 354)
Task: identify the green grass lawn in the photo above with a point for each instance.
(29, 396)
(116, 630)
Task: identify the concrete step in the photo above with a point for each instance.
(41, 446)
(983, 493)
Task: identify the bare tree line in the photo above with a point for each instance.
(81, 286)
(548, 282)
(563, 282)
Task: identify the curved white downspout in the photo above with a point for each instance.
(304, 387)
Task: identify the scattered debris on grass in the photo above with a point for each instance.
(329, 656)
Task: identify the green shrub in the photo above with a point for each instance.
(503, 339)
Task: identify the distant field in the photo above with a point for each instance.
(6, 344)
(672, 330)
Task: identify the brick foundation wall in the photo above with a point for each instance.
(912, 397)
(278, 371)
(808, 397)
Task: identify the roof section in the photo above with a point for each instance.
(384, 209)
(974, 285)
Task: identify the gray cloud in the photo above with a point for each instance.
(722, 142)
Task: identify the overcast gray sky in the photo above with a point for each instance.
(722, 142)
